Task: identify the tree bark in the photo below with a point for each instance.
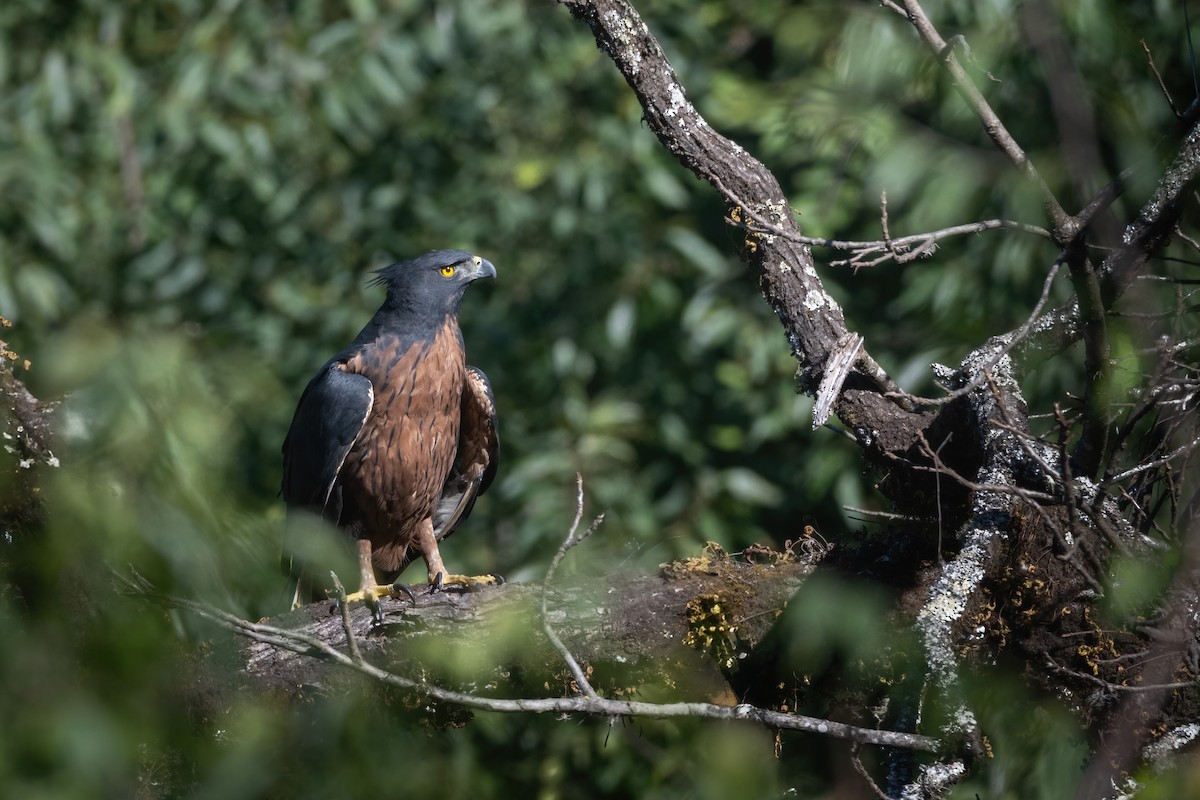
(28, 438)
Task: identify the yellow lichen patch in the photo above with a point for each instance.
(1103, 648)
(729, 601)
(6, 353)
(711, 630)
(738, 218)
(808, 549)
(706, 562)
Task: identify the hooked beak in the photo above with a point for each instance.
(482, 269)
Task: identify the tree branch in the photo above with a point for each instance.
(787, 277)
(994, 351)
(1155, 223)
(303, 643)
(906, 249)
(1065, 227)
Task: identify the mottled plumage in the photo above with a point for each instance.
(396, 436)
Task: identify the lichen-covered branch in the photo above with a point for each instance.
(812, 320)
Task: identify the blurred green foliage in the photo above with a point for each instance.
(192, 195)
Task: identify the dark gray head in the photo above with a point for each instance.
(432, 284)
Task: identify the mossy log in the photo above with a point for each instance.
(670, 635)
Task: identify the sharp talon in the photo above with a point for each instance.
(400, 587)
(499, 579)
(373, 605)
(437, 583)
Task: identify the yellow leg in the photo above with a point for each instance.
(369, 590)
(438, 576)
(366, 570)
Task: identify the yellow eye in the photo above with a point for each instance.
(448, 270)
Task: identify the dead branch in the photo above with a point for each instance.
(1065, 228)
(906, 249)
(1158, 77)
(994, 350)
(787, 278)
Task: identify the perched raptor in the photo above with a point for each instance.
(395, 437)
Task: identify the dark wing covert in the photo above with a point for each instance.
(328, 419)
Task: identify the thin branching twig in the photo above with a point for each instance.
(905, 249)
(344, 609)
(866, 776)
(1064, 225)
(1011, 341)
(1119, 687)
(576, 671)
(1158, 77)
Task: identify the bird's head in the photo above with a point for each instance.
(434, 282)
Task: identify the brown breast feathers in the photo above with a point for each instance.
(396, 469)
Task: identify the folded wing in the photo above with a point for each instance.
(477, 458)
(328, 419)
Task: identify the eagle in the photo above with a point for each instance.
(395, 437)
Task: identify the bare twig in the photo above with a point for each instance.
(344, 609)
(866, 776)
(576, 671)
(906, 249)
(1195, 245)
(883, 224)
(765, 226)
(1158, 77)
(939, 466)
(869, 512)
(1064, 227)
(1009, 340)
(937, 481)
(902, 250)
(1155, 464)
(1119, 687)
(1064, 473)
